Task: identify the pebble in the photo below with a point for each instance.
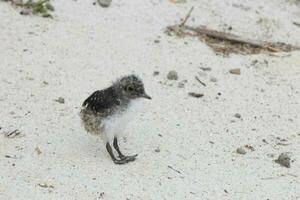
(172, 75)
(157, 150)
(205, 68)
(25, 12)
(50, 7)
(240, 150)
(38, 150)
(236, 71)
(104, 3)
(213, 79)
(155, 73)
(237, 115)
(60, 100)
(197, 95)
(284, 160)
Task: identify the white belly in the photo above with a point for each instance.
(116, 124)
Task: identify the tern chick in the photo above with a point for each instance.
(106, 112)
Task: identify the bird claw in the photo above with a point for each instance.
(129, 158)
(120, 162)
(125, 159)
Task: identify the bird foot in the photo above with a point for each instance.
(130, 158)
(120, 162)
(125, 159)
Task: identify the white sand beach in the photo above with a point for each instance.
(186, 145)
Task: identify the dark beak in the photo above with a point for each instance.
(146, 96)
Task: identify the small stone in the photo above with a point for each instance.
(102, 194)
(172, 75)
(236, 71)
(25, 12)
(249, 147)
(205, 68)
(237, 115)
(240, 150)
(181, 84)
(196, 95)
(45, 83)
(50, 7)
(104, 3)
(46, 15)
(213, 79)
(38, 150)
(155, 73)
(156, 41)
(60, 100)
(157, 150)
(284, 160)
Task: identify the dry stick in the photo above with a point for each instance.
(16, 132)
(228, 36)
(196, 77)
(187, 17)
(296, 23)
(231, 37)
(281, 175)
(179, 172)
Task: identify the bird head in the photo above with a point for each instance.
(132, 87)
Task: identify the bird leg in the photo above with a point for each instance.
(122, 156)
(116, 161)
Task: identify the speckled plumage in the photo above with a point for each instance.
(101, 105)
(106, 112)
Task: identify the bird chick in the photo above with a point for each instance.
(107, 112)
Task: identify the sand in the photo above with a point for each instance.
(85, 47)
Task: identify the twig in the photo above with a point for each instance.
(196, 77)
(282, 144)
(273, 47)
(281, 175)
(13, 157)
(187, 17)
(296, 23)
(13, 134)
(196, 95)
(45, 185)
(224, 36)
(174, 169)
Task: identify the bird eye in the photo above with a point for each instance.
(130, 88)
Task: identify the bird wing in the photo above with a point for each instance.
(101, 101)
